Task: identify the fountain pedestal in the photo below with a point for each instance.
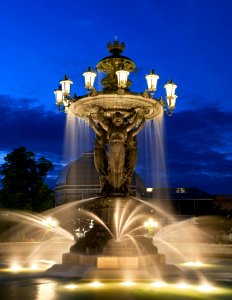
(114, 262)
(109, 267)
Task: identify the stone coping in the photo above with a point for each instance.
(214, 249)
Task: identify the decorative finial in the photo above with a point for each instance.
(116, 48)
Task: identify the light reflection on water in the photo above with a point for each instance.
(28, 289)
(48, 289)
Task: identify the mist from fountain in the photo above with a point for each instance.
(127, 219)
(28, 221)
(76, 131)
(154, 153)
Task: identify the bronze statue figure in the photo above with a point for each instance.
(131, 151)
(116, 164)
(100, 156)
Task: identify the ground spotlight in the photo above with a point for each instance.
(15, 267)
(71, 286)
(193, 264)
(96, 284)
(158, 284)
(206, 288)
(182, 285)
(128, 283)
(34, 267)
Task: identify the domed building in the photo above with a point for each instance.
(79, 180)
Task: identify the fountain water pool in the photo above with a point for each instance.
(188, 281)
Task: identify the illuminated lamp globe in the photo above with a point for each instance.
(152, 79)
(122, 76)
(89, 78)
(170, 94)
(59, 96)
(66, 85)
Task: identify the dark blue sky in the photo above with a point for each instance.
(189, 41)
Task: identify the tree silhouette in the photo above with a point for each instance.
(23, 182)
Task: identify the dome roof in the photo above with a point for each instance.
(79, 172)
(82, 172)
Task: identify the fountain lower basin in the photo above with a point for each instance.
(110, 267)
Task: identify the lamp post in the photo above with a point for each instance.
(118, 69)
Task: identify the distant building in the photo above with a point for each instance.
(223, 204)
(183, 202)
(79, 180)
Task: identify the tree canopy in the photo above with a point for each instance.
(23, 182)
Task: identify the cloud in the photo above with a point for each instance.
(198, 150)
(30, 126)
(38, 130)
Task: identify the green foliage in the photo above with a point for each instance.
(23, 182)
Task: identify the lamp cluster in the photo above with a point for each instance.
(62, 94)
(170, 88)
(118, 69)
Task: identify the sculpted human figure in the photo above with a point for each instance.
(131, 151)
(117, 134)
(100, 156)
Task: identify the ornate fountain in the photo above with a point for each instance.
(116, 115)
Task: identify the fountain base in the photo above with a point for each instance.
(92, 267)
(114, 262)
(98, 253)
